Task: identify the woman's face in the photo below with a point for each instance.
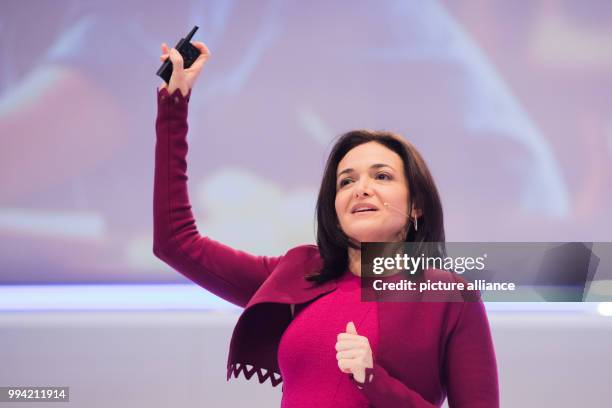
(369, 175)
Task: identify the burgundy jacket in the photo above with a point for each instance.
(426, 351)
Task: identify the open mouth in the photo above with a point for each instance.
(364, 211)
(363, 208)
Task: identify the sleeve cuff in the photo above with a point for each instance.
(369, 378)
(176, 97)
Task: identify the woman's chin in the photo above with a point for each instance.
(368, 238)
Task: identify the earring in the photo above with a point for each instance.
(416, 224)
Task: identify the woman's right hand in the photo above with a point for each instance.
(181, 78)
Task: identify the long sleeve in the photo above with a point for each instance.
(470, 369)
(231, 274)
(384, 391)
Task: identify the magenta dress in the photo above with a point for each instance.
(307, 354)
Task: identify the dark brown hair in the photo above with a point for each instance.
(333, 243)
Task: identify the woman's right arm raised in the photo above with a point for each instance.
(229, 273)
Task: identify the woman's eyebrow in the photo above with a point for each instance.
(374, 166)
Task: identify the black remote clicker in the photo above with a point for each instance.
(187, 50)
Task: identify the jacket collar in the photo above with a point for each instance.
(287, 284)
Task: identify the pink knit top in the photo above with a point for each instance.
(307, 354)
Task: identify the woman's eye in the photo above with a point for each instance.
(344, 182)
(385, 175)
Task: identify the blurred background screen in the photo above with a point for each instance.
(509, 103)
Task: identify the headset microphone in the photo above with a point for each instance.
(416, 222)
(396, 209)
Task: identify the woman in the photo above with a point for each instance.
(303, 323)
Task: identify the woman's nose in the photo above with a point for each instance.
(362, 188)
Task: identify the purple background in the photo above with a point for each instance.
(509, 103)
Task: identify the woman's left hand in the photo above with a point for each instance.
(354, 354)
